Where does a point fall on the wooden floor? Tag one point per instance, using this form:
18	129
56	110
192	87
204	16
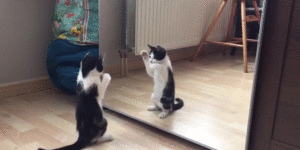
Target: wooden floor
216	94
47	119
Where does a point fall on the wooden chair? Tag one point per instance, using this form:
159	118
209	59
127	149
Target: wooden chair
230	40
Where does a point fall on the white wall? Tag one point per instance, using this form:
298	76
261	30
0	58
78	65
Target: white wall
24	36
112	29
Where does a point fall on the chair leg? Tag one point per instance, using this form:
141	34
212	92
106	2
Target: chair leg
210	28
229	35
244	34
257	13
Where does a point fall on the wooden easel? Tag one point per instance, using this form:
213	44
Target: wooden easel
230	40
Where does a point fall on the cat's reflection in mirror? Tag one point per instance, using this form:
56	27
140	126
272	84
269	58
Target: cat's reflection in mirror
159	67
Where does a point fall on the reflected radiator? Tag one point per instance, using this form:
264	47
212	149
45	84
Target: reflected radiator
172	23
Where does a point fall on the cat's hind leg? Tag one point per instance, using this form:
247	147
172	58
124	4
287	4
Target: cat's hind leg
167	107
154	100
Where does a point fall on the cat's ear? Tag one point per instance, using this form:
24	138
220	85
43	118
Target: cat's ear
87	59
152	47
161	49
99	65
100	62
101	56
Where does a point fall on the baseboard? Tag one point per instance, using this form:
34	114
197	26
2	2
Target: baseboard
36	85
25	87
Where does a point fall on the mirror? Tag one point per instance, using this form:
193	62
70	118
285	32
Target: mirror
215	89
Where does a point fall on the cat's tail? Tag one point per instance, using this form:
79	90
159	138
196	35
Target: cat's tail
78	145
179	104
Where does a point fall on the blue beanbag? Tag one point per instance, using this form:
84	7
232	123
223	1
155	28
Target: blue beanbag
63	63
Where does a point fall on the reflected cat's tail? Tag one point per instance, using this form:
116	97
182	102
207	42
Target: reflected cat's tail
179	104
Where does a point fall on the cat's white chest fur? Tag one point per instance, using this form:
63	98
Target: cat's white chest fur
160	79
94	78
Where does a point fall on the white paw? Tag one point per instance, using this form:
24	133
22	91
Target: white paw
109	137
105	138
162	115
152	108
106	77
144	53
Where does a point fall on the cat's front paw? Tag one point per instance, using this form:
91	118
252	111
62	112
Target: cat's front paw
144	54
107	77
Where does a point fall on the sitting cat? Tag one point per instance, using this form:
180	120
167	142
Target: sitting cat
91	87
158	66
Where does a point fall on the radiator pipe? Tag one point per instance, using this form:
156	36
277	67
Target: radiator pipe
121	63
124	62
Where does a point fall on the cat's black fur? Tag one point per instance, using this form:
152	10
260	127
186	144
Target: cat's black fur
159	52
90	122
169	92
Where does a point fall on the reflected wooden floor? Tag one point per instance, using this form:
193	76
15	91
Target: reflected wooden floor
47	119
216	94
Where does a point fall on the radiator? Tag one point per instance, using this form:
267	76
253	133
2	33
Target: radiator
172	24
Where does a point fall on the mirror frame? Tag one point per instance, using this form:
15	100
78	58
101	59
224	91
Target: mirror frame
268	74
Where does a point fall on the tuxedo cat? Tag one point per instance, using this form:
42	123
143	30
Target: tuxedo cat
158	66
91	87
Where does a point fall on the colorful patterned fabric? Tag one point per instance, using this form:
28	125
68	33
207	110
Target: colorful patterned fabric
76	21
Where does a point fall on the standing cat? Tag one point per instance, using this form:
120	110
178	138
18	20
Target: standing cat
91	86
158	66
